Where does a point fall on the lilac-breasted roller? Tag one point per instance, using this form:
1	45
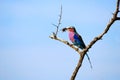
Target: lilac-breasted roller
76	39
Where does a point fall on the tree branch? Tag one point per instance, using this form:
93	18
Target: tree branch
59	22
84	51
95	40
65	42
113	19
118	18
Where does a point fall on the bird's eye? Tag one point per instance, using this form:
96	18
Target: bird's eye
64	29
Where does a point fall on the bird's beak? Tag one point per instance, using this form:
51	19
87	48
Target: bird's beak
64	29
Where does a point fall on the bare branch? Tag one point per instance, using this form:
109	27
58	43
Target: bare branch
77	67
65	42
113	19
95	40
59	22
84	51
118	18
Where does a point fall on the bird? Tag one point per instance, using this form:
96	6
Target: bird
76	39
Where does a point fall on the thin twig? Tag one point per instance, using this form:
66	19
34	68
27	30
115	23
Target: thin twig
59	22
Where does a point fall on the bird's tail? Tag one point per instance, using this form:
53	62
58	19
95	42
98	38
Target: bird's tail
89	60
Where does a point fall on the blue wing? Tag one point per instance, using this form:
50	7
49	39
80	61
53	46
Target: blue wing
78	41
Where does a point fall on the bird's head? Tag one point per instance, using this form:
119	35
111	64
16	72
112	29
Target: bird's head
69	29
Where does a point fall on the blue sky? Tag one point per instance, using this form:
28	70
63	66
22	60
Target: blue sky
27	52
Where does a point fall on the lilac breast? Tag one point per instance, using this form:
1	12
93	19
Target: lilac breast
71	36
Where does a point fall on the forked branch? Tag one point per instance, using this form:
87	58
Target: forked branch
59	22
113	19
83	52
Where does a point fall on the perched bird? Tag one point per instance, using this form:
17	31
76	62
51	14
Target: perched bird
76	39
